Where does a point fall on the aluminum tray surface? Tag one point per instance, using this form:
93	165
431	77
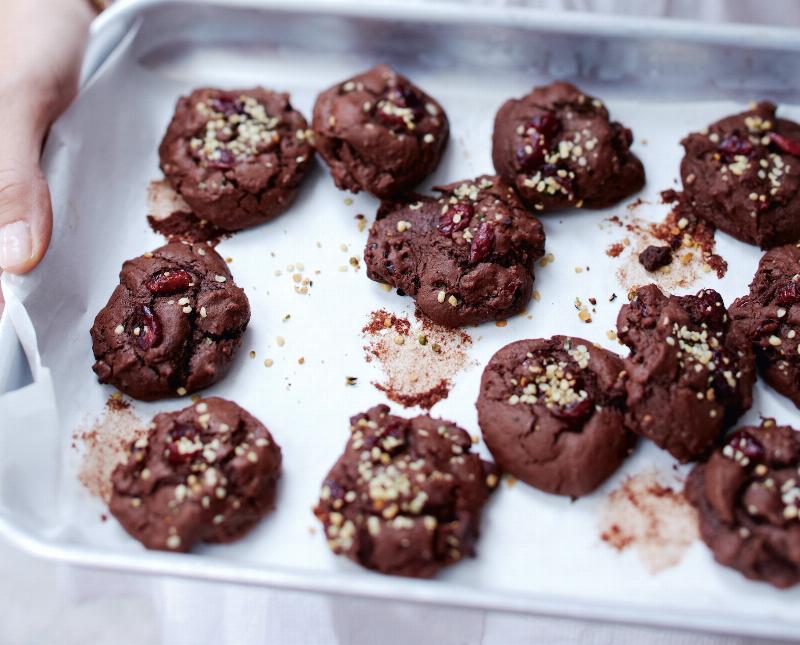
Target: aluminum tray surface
538	552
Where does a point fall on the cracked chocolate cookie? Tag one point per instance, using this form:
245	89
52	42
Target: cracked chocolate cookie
406	496
560	149
690	373
769	317
206	473
172	325
551	413
236	157
465	257
378	132
748	499
742	174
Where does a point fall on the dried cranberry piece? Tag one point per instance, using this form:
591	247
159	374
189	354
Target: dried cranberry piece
337	491
746	444
177	452
575	411
482	243
546	124
462	212
227	106
224	160
531	155
150	332
551	170
169	282
734	146
403	97
789	146
788	294
706	307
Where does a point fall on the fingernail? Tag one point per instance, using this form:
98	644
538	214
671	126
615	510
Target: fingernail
15	244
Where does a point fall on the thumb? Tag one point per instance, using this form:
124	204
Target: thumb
26	215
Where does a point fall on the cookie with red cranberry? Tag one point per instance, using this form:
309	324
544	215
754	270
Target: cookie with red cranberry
769	317
690	374
559	148
741	173
206	473
466	256
378	132
748	499
237	157
551	413
172	325
406	496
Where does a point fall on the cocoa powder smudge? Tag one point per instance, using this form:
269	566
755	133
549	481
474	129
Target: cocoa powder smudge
655	520
105	443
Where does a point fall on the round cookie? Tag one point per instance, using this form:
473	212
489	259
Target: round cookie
551	413
769	317
237	157
465	257
172	325
559	149
378	132
690	374
742	174
406	496
206	473
748	500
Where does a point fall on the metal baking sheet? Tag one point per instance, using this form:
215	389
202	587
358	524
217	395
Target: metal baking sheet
538	553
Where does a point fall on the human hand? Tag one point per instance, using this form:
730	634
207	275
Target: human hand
41	48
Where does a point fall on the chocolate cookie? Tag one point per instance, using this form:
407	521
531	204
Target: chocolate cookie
742	174
551	412
236	156
465	257
749	503
558	147
769	317
172	325
206	473
406	496
690	374
379	132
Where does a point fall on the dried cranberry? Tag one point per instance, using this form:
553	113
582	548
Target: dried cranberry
746	444
788	294
404	98
734	146
150	333
789	146
531	155
223	160
169	282
575	411
706	307
551	170
482	243
178	452
462	212
545	124
227	106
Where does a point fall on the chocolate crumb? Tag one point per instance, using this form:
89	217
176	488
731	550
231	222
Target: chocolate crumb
655	257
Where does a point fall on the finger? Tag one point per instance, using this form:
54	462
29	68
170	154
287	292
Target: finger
26	216
35	90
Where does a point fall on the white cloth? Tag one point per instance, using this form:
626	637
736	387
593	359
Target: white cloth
43	602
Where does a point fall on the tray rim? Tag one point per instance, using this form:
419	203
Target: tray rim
113	25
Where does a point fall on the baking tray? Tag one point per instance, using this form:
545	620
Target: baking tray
538	553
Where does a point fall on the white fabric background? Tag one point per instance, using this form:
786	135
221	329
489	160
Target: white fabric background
43	602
